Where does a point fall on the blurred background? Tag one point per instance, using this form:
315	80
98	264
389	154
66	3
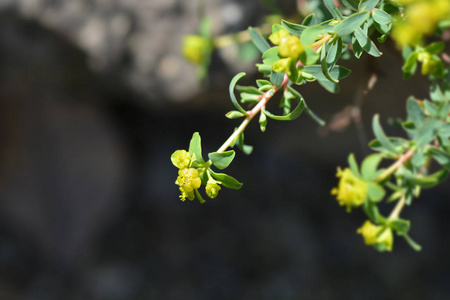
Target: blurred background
94	98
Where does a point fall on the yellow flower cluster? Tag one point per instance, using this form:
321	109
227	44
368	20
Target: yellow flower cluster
188	180
290	48
377	235
196	48
351	191
421	18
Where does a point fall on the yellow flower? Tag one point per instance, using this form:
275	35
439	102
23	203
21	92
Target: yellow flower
196	48
278	36
188	180
181	159
377	235
283	65
351	191
291	47
212	190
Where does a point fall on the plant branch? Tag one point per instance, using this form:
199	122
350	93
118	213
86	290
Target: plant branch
395	166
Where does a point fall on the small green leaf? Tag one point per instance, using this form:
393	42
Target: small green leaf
325	71
412	243
435	48
231	91
329	86
371	211
440	156
368	4
400	226
381	136
262	83
357	50
293	114
248	89
369	166
334	52
375	192
401	145
221	160
311	34
276	78
353	165
309	56
293	28
366	43
337	72
258	40
427	132
381	17
309	20
351	4
350	24
314	116
271	56
425	181
334	11
262	121
234	114
415	112
195	147
410	65
226	180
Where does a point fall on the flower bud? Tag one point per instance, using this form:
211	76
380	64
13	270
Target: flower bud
212	190
378	236
351	191
196	48
181	159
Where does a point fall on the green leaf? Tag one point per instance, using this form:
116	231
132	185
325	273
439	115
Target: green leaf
412	243
357	50
401	145
248	89
440	156
271	56
239	142
309	56
259	41
415	112
375	192
199	196
425	181
366	43
262	121
221	160
337	72
353	165
309	20
234	114
325	71
329	86
334	52
368	4
400	226
351	4
369	166
262	83
410	65
435	48
334	11
293	114
231	91
293	28
350	24
226	180
195	147
381	136
314	116
371	211
311	34
381	17
427	132
276	78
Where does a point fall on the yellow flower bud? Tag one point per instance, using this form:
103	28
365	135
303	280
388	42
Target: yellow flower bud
283	65
351	191
374	235
212	190
181	159
278	36
291	47
195	48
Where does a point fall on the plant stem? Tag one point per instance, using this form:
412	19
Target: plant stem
398	208
322	41
395	166
261	104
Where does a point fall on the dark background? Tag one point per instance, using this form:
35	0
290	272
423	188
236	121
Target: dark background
95	97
